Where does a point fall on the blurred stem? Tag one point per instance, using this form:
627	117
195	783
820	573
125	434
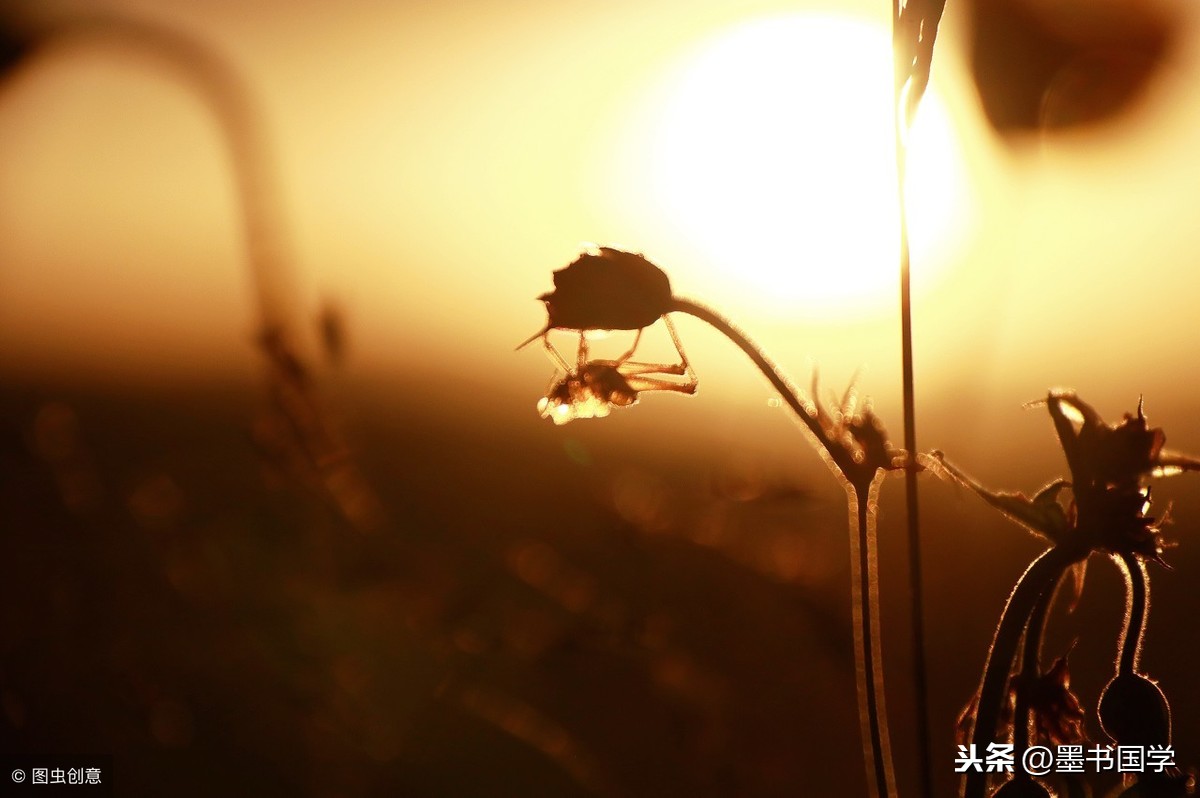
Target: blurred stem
861	493
272	283
1137	604
233	105
1040	578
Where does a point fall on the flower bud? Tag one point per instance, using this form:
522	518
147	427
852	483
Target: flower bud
1134	711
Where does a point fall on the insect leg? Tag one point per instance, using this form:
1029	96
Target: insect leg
629	354
641	384
582	355
554	355
633	368
683	361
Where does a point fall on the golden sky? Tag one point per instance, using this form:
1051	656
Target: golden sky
437	161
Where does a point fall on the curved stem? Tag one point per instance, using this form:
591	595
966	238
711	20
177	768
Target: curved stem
805	411
1038	579
861	494
236	111
232	103
1031	659
1137	605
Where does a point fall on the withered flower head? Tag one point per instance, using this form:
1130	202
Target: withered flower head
1057	713
853	438
606	289
1103	456
1109	465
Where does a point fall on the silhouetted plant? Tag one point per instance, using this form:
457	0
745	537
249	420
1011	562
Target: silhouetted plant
296	436
612	289
1105	512
1102	508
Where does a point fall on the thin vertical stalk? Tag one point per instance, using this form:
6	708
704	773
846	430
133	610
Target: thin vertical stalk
913	523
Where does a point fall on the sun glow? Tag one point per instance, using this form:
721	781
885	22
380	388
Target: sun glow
770	152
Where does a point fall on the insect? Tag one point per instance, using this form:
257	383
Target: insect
607	289
594	387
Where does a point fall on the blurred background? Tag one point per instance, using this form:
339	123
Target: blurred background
278	515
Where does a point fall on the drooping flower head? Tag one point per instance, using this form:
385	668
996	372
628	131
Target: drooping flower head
606	289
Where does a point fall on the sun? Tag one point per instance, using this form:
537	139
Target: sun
769	151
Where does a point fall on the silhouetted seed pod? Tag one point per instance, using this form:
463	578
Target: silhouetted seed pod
610	290
1133	711
1021	788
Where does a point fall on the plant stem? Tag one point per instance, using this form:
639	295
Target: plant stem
1137	604
236	111
864	561
1039	578
1031	659
913	524
861	494
804	411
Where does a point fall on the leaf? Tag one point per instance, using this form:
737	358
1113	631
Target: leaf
1041	514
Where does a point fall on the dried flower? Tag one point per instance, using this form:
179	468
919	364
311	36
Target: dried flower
607	289
853	438
1057	713
1108	467
1099	455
